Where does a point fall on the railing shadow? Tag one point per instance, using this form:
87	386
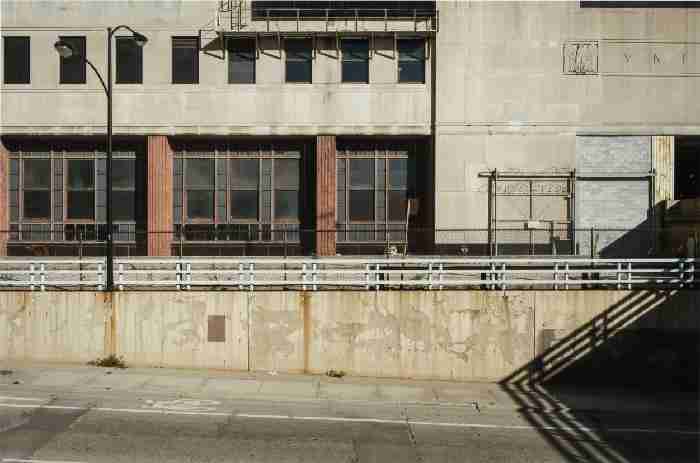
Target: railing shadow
643	349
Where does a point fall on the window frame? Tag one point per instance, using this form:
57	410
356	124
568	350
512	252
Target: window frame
187	188
295	59
350	59
23	189
6	60
185	42
79	58
230	51
128	39
423	60
230	188
67	189
131	189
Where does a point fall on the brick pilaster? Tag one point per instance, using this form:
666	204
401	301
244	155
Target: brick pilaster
4	198
159	185
325	195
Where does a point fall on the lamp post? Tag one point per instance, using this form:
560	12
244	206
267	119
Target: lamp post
65	50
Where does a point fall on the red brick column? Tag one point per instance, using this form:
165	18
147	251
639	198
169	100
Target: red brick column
325	194
4	203
160	195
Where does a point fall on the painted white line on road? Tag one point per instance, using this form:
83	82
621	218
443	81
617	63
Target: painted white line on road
364	420
466	425
32	399
24	460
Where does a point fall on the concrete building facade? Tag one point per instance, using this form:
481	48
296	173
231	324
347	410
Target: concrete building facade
345	127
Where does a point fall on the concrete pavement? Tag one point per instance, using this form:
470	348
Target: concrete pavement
88	414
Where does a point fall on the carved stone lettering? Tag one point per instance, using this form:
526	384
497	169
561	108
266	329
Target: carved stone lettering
581	58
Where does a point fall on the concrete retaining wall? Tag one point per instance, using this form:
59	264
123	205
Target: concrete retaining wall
456	335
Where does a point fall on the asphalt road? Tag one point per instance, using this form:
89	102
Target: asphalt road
55	425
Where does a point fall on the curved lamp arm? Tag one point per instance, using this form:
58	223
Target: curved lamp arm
99	76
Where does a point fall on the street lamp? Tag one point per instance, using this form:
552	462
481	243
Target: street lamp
65	50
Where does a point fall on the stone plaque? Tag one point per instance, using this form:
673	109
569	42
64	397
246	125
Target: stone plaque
216	329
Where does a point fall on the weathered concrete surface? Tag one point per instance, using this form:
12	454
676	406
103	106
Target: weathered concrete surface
453	335
53	326
419	334
168	328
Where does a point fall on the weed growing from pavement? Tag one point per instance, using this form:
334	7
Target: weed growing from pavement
110	361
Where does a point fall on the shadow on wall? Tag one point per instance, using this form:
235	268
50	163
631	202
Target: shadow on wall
646	349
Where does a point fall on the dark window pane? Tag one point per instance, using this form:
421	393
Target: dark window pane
361	205
81	205
129	61
37	173
287	173
16	60
81	174
362	173
286	205
200	173
244	204
397	205
37	204
298	60
412	72
245	173
412	60
298	72
123	205
123	173
200	204
185	60
72	69
398	173
241	61
355	71
355	49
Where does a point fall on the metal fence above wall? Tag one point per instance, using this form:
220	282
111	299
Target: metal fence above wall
308	274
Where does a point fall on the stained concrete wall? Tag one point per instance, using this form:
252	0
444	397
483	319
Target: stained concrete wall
451	335
505	98
213	106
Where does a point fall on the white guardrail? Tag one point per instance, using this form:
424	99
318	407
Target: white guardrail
349	273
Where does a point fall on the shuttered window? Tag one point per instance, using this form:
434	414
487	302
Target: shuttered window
16	60
72	68
129	61
185	60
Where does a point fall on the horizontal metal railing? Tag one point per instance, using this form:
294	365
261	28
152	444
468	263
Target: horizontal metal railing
351	273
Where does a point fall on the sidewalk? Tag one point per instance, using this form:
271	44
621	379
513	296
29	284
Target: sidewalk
285	387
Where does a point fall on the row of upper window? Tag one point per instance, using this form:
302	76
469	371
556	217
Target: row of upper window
242	57
197	190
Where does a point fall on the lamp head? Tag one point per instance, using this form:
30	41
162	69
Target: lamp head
140	39
64	49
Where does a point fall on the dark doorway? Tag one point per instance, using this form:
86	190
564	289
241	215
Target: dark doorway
687	168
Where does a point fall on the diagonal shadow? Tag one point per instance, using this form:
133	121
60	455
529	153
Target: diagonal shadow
644	349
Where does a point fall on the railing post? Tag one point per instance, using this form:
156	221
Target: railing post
629	275
440	275
188	275
430	275
120	277
251	276
566	276
31	277
42	276
100	277
240	275
368	271
503	276
619	275
681	272
178	275
556	276
303	276
691	280
314	275
376	277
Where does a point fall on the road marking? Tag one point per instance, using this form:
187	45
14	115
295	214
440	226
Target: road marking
466	425
364	420
183	405
7	397
24	460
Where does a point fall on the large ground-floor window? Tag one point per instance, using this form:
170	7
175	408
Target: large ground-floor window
248	191
57	193
376	177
